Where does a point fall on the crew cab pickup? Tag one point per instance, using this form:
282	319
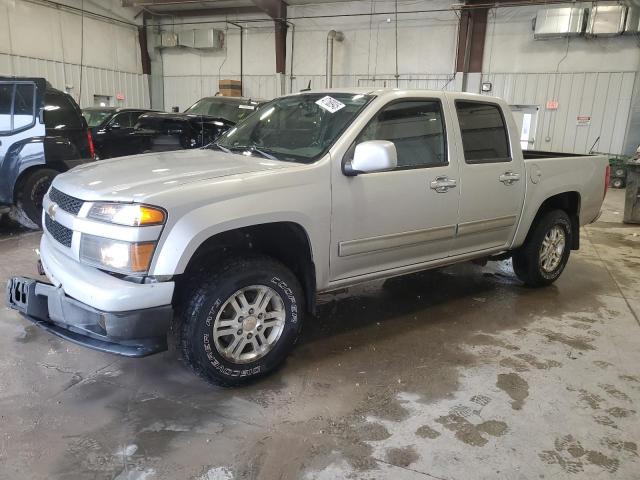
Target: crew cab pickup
228	245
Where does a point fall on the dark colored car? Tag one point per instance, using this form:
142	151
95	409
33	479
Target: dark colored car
113	131
197	126
42	133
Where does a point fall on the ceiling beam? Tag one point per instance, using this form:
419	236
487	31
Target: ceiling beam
206	12
277	10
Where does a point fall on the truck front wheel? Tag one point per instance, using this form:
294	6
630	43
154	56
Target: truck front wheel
241	320
542	258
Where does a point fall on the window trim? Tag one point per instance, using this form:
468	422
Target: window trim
484	161
14	84
351	150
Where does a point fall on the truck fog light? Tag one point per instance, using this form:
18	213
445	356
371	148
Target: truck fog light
116	255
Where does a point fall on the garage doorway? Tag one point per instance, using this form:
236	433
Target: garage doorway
526	117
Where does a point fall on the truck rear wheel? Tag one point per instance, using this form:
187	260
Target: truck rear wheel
29	195
241	320
542	258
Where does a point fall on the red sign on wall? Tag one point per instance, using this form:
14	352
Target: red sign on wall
552	105
119	96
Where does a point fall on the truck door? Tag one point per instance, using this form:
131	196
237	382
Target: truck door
20	107
391	219
492	178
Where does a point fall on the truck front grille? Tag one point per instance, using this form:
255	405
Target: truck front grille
66	202
58	231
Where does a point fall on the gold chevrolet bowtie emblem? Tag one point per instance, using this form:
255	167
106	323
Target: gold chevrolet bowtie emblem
51	210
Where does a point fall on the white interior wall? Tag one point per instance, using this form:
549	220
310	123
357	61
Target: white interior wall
366	57
593	77
587	77
41	40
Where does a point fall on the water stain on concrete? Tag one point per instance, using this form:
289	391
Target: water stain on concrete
620	412
425	431
605	420
534	362
372	432
614	392
573	457
472	434
591	399
515	386
579	342
621	446
402	457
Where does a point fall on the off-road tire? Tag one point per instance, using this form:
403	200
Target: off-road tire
29	195
526	260
208	291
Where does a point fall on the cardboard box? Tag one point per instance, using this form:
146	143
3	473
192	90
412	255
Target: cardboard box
230	88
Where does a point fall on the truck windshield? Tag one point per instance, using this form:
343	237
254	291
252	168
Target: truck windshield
234	111
298	128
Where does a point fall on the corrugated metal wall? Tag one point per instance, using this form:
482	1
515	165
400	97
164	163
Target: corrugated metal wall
95	81
182	91
604	96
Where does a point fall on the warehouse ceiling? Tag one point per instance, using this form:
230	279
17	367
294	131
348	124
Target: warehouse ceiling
211	7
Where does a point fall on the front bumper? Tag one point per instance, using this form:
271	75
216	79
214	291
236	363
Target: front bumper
135	333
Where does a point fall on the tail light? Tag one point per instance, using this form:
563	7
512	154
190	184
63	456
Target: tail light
92	149
607	178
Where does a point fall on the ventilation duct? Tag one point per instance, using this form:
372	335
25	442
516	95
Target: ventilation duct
209	38
606	20
632	25
559	22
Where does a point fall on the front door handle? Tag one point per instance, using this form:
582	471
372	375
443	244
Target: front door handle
442	184
509	178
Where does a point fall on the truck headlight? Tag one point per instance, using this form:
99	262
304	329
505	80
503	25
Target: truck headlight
116	255
132	215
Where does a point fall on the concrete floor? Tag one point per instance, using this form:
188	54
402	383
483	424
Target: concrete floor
453	374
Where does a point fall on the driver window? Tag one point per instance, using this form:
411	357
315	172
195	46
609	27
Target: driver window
416	127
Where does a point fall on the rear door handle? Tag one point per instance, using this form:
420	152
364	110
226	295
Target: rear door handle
508	178
442	184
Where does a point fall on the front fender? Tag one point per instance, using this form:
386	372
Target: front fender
186	235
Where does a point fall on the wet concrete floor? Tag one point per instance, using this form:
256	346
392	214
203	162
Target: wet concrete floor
459	373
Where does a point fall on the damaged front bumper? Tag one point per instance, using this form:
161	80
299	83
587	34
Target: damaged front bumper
135	333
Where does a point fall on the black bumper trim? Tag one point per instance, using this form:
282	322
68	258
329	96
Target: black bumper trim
136	333
144	348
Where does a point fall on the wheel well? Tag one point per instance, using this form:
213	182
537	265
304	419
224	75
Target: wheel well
570	203
25	174
287	242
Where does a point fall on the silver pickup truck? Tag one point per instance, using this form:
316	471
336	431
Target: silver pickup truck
228	245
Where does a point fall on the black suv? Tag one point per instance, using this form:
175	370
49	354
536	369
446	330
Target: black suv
113	132
199	125
42	133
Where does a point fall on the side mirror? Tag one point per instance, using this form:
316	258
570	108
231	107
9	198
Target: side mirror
372	156
114	126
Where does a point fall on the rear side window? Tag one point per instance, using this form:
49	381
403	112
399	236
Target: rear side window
60	112
484	134
416	128
17	106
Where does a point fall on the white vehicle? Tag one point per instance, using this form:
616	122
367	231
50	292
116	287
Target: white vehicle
314	192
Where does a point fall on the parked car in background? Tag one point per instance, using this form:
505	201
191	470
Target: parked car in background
318	192
42	133
198	125
113	131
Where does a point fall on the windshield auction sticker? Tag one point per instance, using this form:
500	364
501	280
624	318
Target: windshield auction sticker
330	104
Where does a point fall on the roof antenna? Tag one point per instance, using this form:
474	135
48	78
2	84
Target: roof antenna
308	87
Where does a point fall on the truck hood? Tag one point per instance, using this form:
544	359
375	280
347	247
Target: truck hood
135	177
